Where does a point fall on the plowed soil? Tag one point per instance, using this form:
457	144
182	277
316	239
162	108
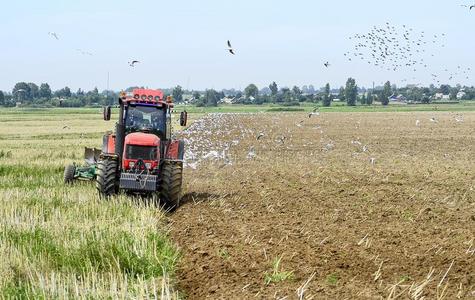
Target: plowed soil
356	206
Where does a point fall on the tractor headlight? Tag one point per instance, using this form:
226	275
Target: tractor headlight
131	164
148	165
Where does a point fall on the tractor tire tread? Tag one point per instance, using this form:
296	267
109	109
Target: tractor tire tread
69	171
171	183
106	182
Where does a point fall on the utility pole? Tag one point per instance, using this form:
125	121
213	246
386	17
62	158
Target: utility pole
107	91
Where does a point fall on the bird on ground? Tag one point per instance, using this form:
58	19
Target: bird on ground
230	48
132	63
54	34
260	136
313	114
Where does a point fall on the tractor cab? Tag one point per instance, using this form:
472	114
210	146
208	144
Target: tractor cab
146	118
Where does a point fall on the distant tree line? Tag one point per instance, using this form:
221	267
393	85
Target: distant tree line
30	94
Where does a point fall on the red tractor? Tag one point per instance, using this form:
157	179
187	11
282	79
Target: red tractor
141	158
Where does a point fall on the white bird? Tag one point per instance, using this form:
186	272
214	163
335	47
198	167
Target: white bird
372	160
433	120
418	123
260	136
84	52
252	153
313	114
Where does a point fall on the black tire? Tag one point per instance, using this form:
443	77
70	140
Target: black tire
106	182
69	172
170	186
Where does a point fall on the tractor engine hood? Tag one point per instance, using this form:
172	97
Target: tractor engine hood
144	147
142	139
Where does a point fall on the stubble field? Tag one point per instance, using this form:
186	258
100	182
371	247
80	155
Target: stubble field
338	205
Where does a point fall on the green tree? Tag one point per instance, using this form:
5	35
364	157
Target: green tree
196	95
369	98
363	99
351	92
45	91
274	89
286	95
453	93
387	92
177	94
296	91
21	92
34	90
341	94
2	98
251	91
445	89
327	100
211	98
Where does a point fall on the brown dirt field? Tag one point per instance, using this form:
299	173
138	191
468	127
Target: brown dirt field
400	227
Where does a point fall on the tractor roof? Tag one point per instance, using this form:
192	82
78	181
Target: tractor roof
146	96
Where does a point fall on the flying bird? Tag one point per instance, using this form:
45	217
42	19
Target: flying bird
84	52
132	63
327	64
468	6
54	34
230	48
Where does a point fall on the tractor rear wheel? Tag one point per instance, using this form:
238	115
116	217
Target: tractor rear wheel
170	187
106	182
69	172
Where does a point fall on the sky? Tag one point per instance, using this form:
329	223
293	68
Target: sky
184	42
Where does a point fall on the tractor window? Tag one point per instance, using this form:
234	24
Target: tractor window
149	118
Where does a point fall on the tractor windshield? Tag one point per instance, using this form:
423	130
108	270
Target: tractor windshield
145	119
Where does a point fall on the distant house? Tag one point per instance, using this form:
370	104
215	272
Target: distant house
227	100
398	98
460	95
441	96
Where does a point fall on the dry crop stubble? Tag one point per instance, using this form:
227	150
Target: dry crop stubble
62	241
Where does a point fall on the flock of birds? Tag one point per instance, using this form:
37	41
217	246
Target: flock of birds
386	47
220	137
393	48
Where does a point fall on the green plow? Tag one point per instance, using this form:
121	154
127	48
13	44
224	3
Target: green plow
85	172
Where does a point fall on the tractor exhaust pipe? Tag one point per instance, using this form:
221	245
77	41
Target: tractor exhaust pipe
120	133
119	139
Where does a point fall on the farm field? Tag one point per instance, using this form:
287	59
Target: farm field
338	205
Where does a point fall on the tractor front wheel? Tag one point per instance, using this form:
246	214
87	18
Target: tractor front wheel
106	175
69	172
170	188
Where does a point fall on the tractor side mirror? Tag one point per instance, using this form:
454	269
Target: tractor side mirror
106	111
183	118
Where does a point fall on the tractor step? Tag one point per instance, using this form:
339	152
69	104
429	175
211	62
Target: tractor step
138	182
